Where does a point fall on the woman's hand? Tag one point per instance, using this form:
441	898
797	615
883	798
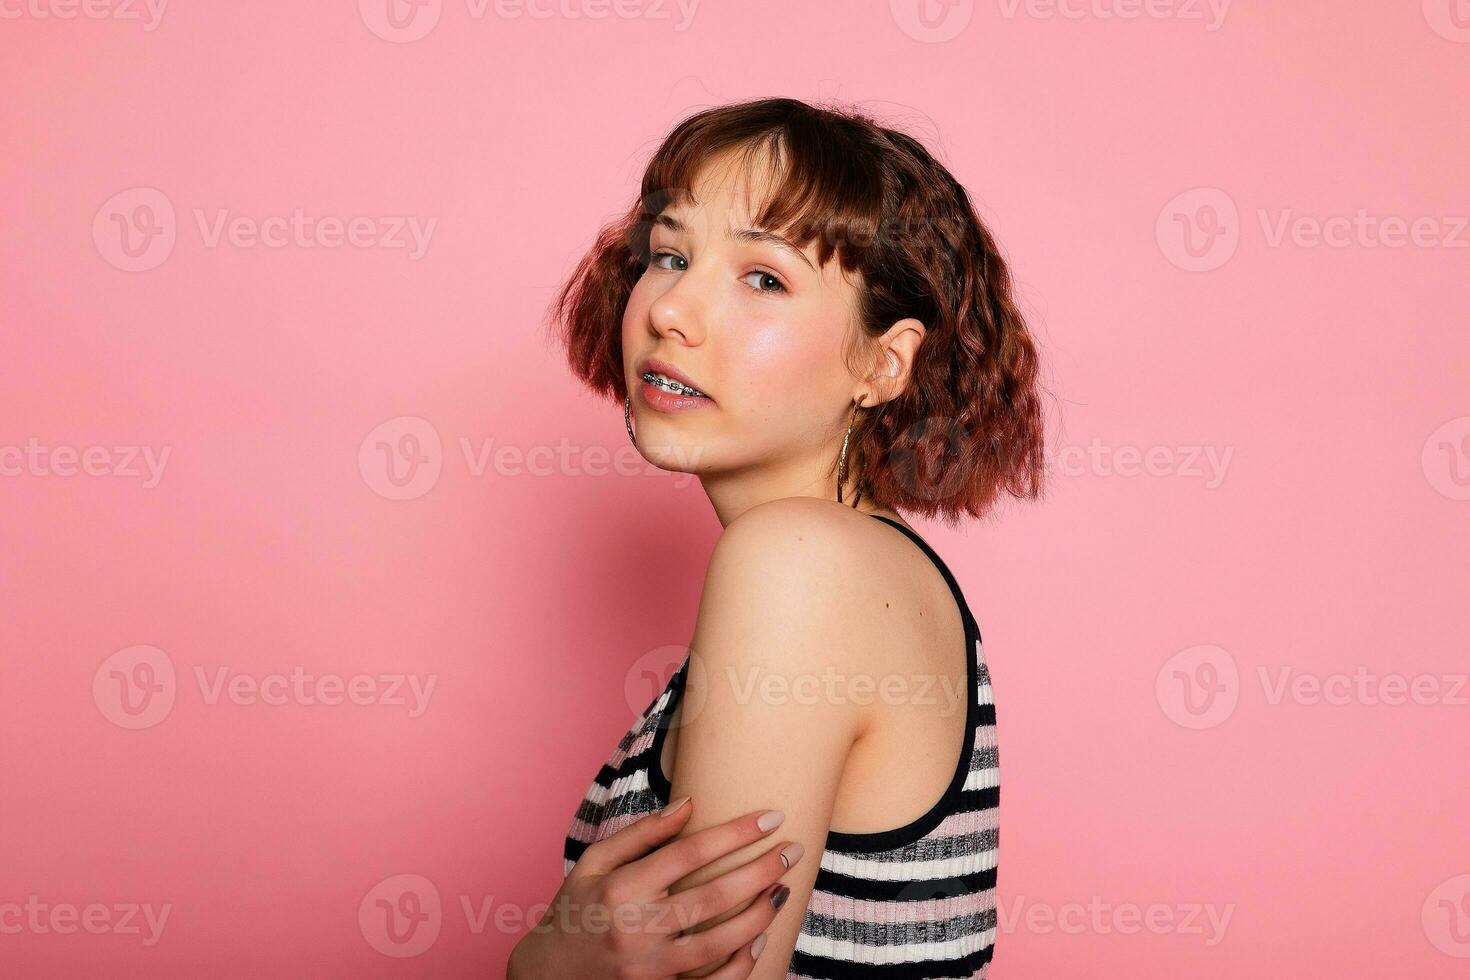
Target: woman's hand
614	917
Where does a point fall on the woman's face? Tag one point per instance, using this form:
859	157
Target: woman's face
756	325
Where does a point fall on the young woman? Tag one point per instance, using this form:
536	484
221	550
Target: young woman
803	309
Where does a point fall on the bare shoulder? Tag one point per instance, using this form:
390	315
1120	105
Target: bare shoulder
805	568
800	548
800	528
838	573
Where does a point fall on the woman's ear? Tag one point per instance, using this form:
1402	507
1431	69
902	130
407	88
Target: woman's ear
899	346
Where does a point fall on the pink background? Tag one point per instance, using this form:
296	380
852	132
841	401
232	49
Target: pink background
279	380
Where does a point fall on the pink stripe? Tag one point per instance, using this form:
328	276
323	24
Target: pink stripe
619	756
639	744
581	831
863	910
610	827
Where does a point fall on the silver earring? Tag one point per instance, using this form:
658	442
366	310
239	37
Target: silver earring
628	418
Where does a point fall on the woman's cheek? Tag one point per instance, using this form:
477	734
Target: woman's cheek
636	310
777	360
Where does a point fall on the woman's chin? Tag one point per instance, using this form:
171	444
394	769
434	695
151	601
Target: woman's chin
672	453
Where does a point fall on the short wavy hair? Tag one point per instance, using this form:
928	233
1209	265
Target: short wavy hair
968	428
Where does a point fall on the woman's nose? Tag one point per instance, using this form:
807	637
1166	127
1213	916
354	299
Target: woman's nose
677	311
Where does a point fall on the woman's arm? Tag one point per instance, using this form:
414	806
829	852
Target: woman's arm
760	726
614	915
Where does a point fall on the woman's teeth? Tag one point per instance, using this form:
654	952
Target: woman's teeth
669	384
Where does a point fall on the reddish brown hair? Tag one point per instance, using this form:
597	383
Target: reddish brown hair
969	425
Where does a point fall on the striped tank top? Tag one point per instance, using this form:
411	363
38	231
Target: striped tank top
910	903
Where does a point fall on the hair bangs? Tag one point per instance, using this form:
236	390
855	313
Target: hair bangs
817	192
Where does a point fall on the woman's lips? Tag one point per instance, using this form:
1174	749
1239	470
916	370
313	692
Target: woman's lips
660	399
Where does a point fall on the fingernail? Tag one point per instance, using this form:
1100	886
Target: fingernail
674	806
757	946
770	820
779	896
792	853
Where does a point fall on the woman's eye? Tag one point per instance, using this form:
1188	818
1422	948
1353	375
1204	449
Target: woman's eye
654	259
766	278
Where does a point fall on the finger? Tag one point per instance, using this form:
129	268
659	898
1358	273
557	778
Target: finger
673	861
739	966
709	968
734	887
697	949
634	841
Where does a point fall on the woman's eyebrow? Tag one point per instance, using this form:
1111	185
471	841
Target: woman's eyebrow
770	238
753	235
